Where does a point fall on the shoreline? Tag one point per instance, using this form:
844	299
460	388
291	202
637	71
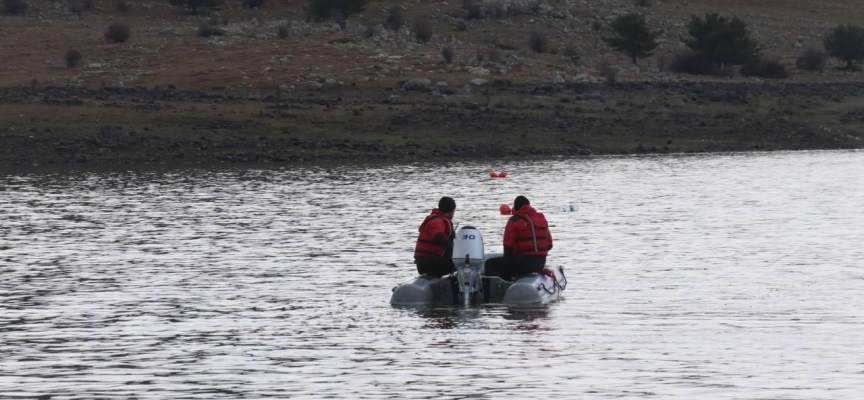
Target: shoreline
131	126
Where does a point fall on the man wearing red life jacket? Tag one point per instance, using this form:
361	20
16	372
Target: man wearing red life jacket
433	253
527	241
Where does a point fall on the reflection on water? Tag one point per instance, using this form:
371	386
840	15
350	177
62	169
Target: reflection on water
717	276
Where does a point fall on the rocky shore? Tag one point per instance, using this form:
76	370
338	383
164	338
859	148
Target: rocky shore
64	126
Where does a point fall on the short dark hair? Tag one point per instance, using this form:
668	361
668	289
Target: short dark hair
520	201
447	204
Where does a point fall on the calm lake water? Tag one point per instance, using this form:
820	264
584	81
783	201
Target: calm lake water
735	276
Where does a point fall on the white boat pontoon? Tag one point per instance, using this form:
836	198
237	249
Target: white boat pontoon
468	285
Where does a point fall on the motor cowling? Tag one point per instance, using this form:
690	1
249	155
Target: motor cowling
468	244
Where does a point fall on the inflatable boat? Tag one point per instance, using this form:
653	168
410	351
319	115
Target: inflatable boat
469	285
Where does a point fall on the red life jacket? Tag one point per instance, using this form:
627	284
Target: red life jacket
435	223
532	232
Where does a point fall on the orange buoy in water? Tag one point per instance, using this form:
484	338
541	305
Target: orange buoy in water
504	209
493	175
502	174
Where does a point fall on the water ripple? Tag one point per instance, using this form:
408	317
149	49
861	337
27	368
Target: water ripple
719	276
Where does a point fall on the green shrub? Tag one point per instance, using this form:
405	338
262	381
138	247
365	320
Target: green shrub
320	10
422	30
633	36
499	12
196	6
770	68
249	4
494	55
572	54
537	42
117	33
689	62
608	72
339	18
812	60
394	19
722	40
14	7
283	32
73	58
207	29
474	12
846	42
447	54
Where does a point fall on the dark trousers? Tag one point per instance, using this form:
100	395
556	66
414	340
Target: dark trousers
434	266
511	267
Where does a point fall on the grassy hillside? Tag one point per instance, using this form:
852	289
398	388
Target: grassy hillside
165	48
321	92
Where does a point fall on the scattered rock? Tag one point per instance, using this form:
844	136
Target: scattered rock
420	84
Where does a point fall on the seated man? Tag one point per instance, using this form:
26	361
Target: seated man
527	241
433	253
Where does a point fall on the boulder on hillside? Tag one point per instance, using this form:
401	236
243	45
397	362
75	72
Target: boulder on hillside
420	84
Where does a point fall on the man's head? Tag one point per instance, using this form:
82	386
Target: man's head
447	205
519	202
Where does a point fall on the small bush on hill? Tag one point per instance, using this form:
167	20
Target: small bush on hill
219	19
499	12
208	29
770	68
422	30
812	60
474	12
253	3
494	55
846	42
537	42
608	72
369	31
198	7
122	6
572	54
117	33
283	32
338	17
515	10
394	19
319	10
461	26
73	58
688	62
447	54
14	7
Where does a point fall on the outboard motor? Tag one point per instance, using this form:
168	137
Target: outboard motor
469	257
